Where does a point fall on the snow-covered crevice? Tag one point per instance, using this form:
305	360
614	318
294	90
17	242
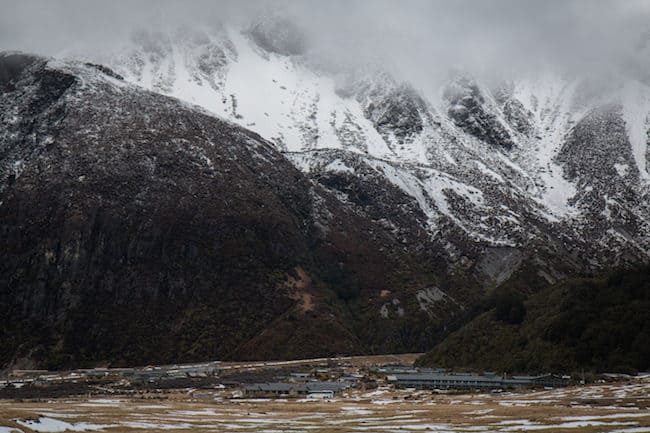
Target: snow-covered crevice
549	97
636	114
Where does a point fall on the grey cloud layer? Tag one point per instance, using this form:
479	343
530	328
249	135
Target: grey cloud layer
421	39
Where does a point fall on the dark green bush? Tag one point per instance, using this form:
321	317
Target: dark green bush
509	307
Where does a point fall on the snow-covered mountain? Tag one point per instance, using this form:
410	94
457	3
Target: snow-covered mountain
506	164
277	188
137	228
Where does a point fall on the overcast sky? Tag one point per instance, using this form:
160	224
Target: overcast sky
421	38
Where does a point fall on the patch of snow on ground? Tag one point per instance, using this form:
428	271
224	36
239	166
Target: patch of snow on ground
46	424
151	426
633	430
356	411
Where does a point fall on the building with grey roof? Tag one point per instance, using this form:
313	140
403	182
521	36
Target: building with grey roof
285	388
473	381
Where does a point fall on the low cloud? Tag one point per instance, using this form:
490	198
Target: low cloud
419	39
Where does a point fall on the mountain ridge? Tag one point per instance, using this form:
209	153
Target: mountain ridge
391	213
385	119
138	229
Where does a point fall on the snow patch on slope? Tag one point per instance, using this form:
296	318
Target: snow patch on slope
549	98
636	113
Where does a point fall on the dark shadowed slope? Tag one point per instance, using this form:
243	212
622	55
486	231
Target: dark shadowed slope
598	324
137	229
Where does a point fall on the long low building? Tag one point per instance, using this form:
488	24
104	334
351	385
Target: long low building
474	381
285	388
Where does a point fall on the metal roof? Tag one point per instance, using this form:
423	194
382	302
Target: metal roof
297	387
446	377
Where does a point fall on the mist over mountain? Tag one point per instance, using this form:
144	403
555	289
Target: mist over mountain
421	41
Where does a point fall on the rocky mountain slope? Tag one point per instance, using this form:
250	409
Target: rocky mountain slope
366	210
547	163
138	229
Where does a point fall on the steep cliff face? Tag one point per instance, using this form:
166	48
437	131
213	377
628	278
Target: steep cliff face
139	229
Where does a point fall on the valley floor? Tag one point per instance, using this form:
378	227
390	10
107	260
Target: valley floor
622	407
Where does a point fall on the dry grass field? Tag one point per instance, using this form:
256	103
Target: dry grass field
622	407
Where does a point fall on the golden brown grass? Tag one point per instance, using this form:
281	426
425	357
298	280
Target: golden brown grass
357	411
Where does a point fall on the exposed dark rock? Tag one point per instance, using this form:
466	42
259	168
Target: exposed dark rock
397	112
467	110
106	70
